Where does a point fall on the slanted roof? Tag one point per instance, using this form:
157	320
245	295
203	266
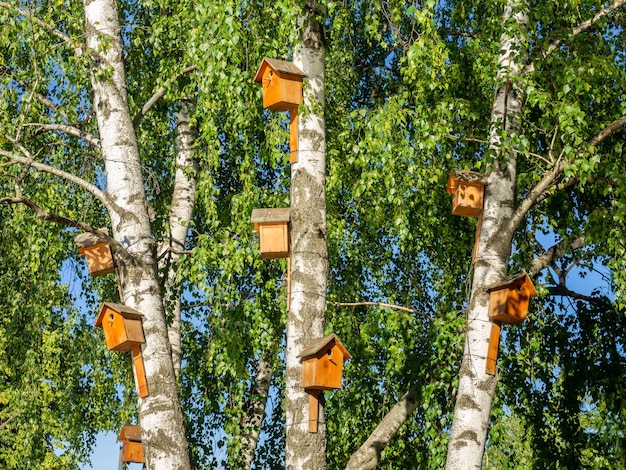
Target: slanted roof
122	309
513	281
280	66
88	239
317	345
270	215
130	432
466	176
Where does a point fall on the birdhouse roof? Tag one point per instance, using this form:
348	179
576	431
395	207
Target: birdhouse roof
130	432
122	309
317	345
513	281
280	66
88	239
465	176
270	215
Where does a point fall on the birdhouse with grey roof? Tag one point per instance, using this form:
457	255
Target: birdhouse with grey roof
509	298
97	252
272	225
322	363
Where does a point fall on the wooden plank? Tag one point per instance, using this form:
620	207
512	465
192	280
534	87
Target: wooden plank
314	409
293	135
139	372
492	352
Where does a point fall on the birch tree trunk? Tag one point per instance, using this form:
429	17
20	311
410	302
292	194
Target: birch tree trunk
476	388
181	211
309	255
160	414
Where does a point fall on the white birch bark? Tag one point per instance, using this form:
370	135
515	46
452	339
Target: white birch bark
476	388
160	415
309	257
255	410
181	211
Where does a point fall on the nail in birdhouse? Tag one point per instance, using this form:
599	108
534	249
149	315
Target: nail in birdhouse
282	84
97	252
322	363
509	299
467	189
121	325
272	225
132	450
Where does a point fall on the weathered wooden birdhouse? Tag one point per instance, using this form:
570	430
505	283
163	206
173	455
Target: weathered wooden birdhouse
122	326
282	84
509	298
132	450
272	225
97	252
322	363
467	189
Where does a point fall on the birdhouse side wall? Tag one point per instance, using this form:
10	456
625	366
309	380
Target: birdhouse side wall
467	200
132	452
281	92
508	305
274	240
99	259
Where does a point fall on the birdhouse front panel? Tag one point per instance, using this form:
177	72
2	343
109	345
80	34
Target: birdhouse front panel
274	240
467	200
467	188
282	84
322	363
132	450
509	301
122	326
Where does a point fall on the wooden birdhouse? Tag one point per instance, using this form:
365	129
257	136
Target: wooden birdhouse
322	363
122	326
97	252
467	189
272	225
132	450
322	369
509	299
282	84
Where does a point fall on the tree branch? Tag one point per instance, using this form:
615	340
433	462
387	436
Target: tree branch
381	304
67	222
552	254
97	192
158	95
565	292
70	130
367	456
581	28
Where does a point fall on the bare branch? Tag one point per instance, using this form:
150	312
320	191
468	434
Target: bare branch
563	291
70	130
581	28
97	192
368	455
554	253
157	96
381	304
67	222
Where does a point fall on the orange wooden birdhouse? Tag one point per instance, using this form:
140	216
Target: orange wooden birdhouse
282	84
509	299
97	253
322	369
122	326
322	363
467	189
132	450
272	225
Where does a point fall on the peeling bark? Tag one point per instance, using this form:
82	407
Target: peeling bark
309	254
476	388
160	414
